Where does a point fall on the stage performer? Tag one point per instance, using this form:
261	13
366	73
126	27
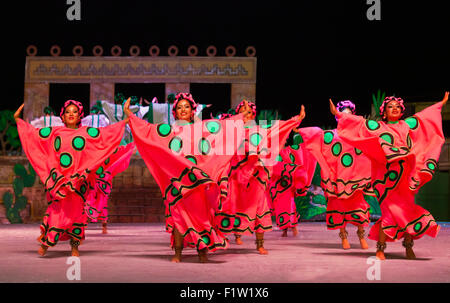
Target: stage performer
404	155
67	160
189	173
96	205
291	177
345	178
247	205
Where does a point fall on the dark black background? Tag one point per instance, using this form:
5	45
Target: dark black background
307	51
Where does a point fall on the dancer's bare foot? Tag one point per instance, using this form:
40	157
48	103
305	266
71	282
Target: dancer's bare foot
380	255
260	244
238	240
284	234
177	257
408	244
40	238
74	245
343	235
105	229
203	255
345	244
362	241
294	231
262	251
42	250
381	246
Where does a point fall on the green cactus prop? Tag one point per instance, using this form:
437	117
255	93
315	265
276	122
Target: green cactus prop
268	115
15	204
377	101
374	205
9	137
310	206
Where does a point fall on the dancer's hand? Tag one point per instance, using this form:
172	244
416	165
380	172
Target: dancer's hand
302	114
18	112
333	109
126	108
247	111
444	101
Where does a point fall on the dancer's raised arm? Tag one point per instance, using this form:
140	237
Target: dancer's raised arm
126	109
18	112
445	99
333	109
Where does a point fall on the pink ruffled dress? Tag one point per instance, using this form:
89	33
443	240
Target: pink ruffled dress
292	176
96	206
68	161
190	164
345	174
246	209
404	157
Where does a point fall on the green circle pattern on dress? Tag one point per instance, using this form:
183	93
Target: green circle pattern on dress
93	132
372	125
358	151
279	158
237	222
347	160
255	139
54	176
392	175
281	219
225	222
330	220
213	127
57	143
206	240
192	159
295	146
45	132
328	137
174	191
192	177
65	160
354	216
99	170
409	142
77	231
336	149
412	122
78	143
204	146
292	157
387	137
163	129
176	144
417	227
431	165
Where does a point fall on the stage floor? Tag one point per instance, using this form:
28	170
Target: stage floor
141	253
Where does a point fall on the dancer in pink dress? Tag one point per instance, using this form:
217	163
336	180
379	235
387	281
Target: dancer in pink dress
404	156
67	158
246	209
345	174
183	159
292	176
96	206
